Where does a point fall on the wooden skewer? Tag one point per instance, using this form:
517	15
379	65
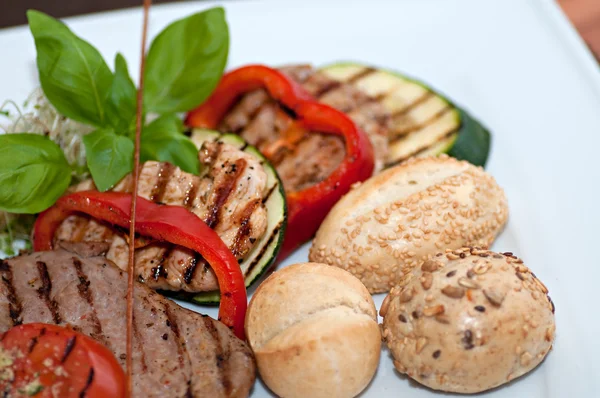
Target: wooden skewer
136	175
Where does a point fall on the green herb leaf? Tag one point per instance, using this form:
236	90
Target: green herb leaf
121	102
33	173
72	72
163	140
186	61
109	157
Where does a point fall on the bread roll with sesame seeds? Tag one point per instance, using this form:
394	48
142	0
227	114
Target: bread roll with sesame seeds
399	218
468	320
313	329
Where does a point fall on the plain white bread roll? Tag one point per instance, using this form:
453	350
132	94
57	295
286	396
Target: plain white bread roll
397	219
313	329
468	320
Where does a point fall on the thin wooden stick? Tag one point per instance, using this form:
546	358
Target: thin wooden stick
136	175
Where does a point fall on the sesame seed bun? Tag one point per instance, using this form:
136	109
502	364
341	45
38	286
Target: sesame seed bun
468	320
313	329
397	219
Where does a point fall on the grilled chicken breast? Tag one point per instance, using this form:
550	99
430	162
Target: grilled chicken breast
304	159
177	352
228	197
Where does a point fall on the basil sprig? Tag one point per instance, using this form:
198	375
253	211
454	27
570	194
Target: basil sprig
184	64
33	173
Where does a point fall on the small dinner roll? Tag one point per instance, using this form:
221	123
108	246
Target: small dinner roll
468	320
397	219
313	329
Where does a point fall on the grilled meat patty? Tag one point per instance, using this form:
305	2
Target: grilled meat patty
301	159
177	352
228	197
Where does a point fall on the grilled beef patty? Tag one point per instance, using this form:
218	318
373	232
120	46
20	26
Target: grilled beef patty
176	352
302	159
228	197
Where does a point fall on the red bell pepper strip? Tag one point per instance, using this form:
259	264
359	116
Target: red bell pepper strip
172	224
306	208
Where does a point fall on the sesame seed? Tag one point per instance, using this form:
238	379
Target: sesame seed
436	354
479	308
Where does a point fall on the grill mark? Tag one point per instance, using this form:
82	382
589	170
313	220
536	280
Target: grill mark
137	337
412	105
221	360
191	194
263	249
182	351
251	117
164	175
159	271
45	290
33	343
421	126
190	270
223	191
68	348
327	87
398	161
15	307
289	151
245	228
243	148
88	383
368	71
84	292
268	195
80	228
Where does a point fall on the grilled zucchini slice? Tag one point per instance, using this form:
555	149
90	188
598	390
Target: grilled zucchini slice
424	122
264	252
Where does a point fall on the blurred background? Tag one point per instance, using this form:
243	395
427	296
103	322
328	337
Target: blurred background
585	14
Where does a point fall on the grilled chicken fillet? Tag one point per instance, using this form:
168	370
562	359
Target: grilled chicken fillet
176	352
303	159
227	196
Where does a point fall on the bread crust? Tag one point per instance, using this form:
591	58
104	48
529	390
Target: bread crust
313	329
468	321
396	220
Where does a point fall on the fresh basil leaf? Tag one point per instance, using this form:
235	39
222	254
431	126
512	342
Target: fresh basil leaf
163	140
33	173
109	157
121	102
186	61
72	72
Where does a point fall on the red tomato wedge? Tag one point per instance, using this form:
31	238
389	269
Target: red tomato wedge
39	360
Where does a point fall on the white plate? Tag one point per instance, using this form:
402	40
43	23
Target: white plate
518	65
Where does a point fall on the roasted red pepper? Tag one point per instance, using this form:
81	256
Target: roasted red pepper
172	224
306	208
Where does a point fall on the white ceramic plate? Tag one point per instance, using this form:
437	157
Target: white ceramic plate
518	65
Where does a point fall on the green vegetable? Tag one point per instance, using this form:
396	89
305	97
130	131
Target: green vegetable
72	72
121	104
163	140
423	122
186	61
33	173
109	157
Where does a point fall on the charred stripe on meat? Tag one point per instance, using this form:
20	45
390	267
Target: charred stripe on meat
45	290
219	355
222	192
84	291
15	307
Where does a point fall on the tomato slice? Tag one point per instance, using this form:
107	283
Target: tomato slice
39	360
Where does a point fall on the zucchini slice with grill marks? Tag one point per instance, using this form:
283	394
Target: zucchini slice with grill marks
265	250
423	122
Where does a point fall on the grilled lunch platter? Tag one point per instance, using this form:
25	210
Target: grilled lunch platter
299	228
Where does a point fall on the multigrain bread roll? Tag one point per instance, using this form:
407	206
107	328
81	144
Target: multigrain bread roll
313	329
468	320
397	219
